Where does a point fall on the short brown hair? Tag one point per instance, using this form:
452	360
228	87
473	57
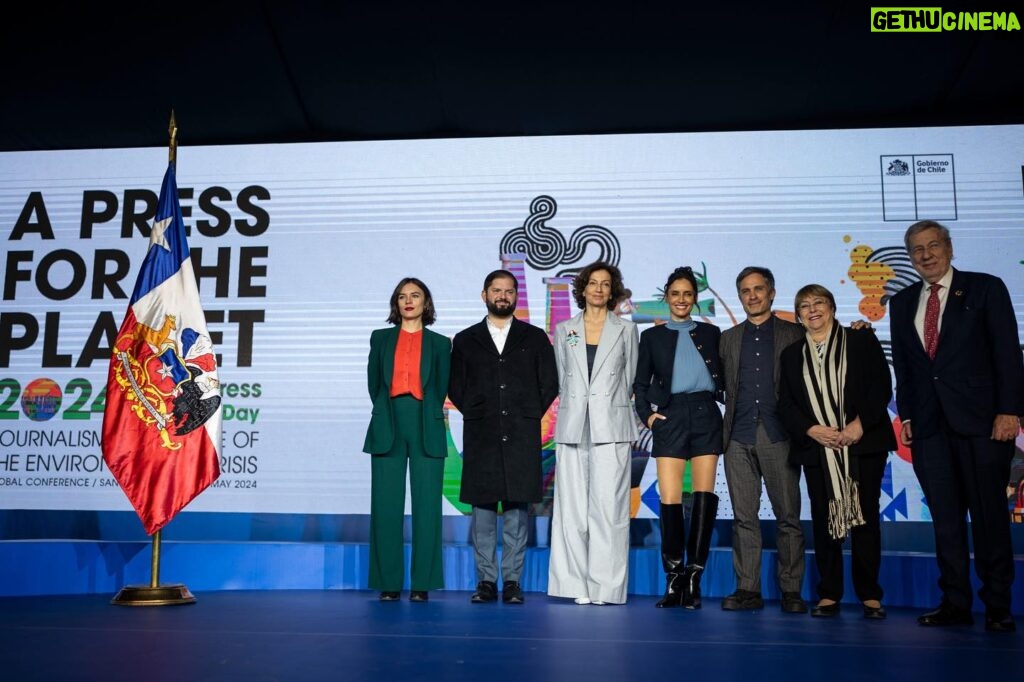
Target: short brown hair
812	290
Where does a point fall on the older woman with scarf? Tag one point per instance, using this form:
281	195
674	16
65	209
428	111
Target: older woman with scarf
835	387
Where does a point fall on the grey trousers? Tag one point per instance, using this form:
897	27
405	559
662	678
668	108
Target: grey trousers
484	533
745	467
590	522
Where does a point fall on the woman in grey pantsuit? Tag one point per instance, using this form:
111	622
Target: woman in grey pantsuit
596	357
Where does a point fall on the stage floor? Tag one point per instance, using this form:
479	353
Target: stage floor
350	635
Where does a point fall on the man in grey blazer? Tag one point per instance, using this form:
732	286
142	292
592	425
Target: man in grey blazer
757	446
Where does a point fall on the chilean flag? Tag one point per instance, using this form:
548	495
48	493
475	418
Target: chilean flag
162	422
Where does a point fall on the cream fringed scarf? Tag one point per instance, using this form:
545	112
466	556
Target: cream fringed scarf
824	381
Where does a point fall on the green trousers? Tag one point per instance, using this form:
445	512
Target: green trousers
387	506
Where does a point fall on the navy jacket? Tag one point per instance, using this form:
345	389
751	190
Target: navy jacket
653	384
977	372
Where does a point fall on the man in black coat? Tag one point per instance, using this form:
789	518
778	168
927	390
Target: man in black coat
960	394
503	380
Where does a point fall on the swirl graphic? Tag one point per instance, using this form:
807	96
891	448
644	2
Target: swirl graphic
545	247
904	275
879	274
582	237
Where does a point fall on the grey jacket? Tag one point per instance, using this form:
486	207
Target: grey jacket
605	396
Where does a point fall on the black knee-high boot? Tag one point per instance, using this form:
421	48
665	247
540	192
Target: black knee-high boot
702	524
672	542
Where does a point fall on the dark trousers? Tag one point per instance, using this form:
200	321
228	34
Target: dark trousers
865	540
387	506
961	474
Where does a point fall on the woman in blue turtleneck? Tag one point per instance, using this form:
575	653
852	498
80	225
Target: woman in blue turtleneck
678	378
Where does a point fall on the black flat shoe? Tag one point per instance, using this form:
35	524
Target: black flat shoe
418	595
390	596
874	612
999	621
825	611
945	616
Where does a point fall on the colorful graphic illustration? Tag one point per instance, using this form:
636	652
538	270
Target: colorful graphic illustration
879	274
1015	489
41	400
656	310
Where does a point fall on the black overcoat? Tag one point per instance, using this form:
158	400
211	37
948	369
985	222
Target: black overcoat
502	399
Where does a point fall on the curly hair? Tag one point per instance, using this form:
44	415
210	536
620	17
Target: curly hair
579	284
429	315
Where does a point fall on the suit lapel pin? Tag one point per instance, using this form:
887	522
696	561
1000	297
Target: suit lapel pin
958	292
572	338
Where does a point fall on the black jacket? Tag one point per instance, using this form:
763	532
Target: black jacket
867	393
502	399
656	357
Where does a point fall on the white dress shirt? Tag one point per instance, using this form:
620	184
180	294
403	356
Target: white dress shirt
499	334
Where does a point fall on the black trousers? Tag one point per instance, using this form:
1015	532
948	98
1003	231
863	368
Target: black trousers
865	541
961	474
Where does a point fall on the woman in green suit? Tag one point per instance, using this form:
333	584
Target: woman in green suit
407	375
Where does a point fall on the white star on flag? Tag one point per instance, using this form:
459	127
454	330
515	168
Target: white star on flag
157	235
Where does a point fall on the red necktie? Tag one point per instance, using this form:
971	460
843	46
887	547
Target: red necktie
931	321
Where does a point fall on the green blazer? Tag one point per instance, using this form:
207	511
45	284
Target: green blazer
435	362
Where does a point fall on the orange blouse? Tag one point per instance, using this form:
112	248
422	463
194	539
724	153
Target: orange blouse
406	377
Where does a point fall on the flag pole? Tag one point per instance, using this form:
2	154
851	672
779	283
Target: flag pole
156	594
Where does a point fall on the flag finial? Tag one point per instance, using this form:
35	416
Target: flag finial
172	147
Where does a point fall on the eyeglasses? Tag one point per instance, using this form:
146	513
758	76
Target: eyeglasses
806	306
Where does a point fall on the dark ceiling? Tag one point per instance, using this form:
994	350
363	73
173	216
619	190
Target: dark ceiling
81	76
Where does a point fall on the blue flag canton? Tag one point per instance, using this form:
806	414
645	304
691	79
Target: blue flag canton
168	245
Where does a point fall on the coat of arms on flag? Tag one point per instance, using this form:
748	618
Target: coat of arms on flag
162	423
168	379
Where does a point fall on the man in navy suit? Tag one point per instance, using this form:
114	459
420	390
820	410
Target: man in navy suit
960	394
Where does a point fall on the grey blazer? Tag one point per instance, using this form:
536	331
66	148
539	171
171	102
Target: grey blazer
605	395
785	334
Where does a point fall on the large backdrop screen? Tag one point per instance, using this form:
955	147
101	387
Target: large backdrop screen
298	247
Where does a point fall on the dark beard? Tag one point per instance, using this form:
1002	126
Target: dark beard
500	312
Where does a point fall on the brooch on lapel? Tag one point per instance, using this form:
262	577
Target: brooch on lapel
958	292
573	338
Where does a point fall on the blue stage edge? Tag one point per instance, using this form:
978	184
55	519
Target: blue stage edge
46	567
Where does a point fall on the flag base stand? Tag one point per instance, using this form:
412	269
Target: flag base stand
144	595
154	594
